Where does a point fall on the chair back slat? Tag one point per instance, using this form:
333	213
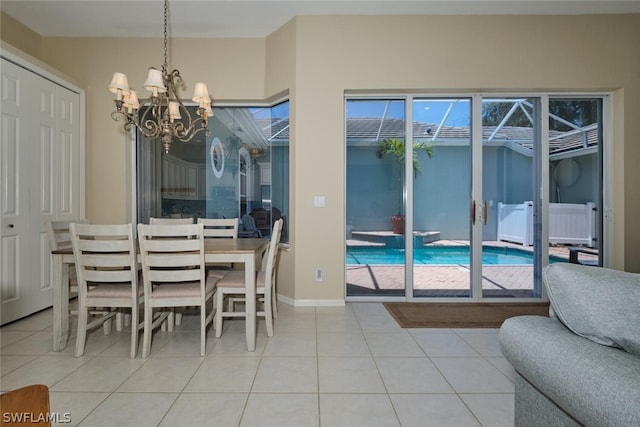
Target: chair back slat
100	245
59	234
220	227
172	244
170	221
171	253
181	259
173	276
101	261
107	276
104	254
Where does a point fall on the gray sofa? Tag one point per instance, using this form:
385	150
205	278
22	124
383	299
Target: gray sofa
581	365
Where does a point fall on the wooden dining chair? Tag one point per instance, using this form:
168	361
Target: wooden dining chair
26	406
274	282
107	270
173	274
219	228
233	285
60	238
176	317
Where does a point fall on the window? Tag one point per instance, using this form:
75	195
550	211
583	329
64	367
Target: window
241	166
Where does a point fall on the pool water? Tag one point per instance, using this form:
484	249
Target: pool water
439	255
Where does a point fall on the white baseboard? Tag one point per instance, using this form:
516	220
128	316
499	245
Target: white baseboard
312	302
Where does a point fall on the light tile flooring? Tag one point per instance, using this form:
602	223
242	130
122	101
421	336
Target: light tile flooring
331	366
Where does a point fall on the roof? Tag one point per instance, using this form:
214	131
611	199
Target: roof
366	131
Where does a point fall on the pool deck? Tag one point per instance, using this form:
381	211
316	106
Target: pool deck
445	281
390	239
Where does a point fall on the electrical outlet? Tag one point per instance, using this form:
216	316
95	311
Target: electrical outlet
319	275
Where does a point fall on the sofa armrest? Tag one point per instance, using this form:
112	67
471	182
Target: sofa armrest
595	384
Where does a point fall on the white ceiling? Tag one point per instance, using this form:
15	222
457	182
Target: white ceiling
243	18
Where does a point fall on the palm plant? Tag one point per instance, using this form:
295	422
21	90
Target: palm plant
396	147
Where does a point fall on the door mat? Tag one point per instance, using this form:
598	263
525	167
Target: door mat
461	315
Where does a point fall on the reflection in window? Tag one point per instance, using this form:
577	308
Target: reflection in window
242	166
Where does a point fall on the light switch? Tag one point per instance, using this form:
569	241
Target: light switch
318	201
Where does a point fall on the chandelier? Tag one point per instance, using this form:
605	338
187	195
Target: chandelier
164	115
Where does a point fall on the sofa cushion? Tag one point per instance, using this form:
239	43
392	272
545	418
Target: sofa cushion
600	304
595	384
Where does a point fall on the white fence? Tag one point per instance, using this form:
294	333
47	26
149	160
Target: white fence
569	223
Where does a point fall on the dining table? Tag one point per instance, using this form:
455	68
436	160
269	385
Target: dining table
245	251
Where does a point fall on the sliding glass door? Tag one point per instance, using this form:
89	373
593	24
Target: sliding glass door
375	203
511	142
442	177
445	194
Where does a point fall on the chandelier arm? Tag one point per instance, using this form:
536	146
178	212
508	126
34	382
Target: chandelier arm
189	136
119	115
150	127
191	122
159	119
149	130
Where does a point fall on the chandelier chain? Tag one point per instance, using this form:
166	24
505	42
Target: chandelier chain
166	9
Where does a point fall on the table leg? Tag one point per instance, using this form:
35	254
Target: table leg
60	283
250	303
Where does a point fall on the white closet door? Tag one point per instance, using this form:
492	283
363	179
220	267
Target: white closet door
39	167
18	90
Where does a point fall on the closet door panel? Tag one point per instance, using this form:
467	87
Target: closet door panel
68	154
46	179
19	134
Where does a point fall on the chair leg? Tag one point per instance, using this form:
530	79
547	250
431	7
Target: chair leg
274	303
171	320
82	331
219	310
178	318
134	330
146	335
203	328
106	325
268	316
119	320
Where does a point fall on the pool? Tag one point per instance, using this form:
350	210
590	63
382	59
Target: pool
440	255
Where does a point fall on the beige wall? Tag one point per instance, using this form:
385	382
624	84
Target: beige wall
280	77
441	54
318	58
234	69
19	36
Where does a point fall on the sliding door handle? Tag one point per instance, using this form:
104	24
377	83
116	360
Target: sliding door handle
473	212
484	213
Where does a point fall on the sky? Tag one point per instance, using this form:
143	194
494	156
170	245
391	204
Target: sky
429	111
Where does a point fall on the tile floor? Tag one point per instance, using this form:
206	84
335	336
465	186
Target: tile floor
331	366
